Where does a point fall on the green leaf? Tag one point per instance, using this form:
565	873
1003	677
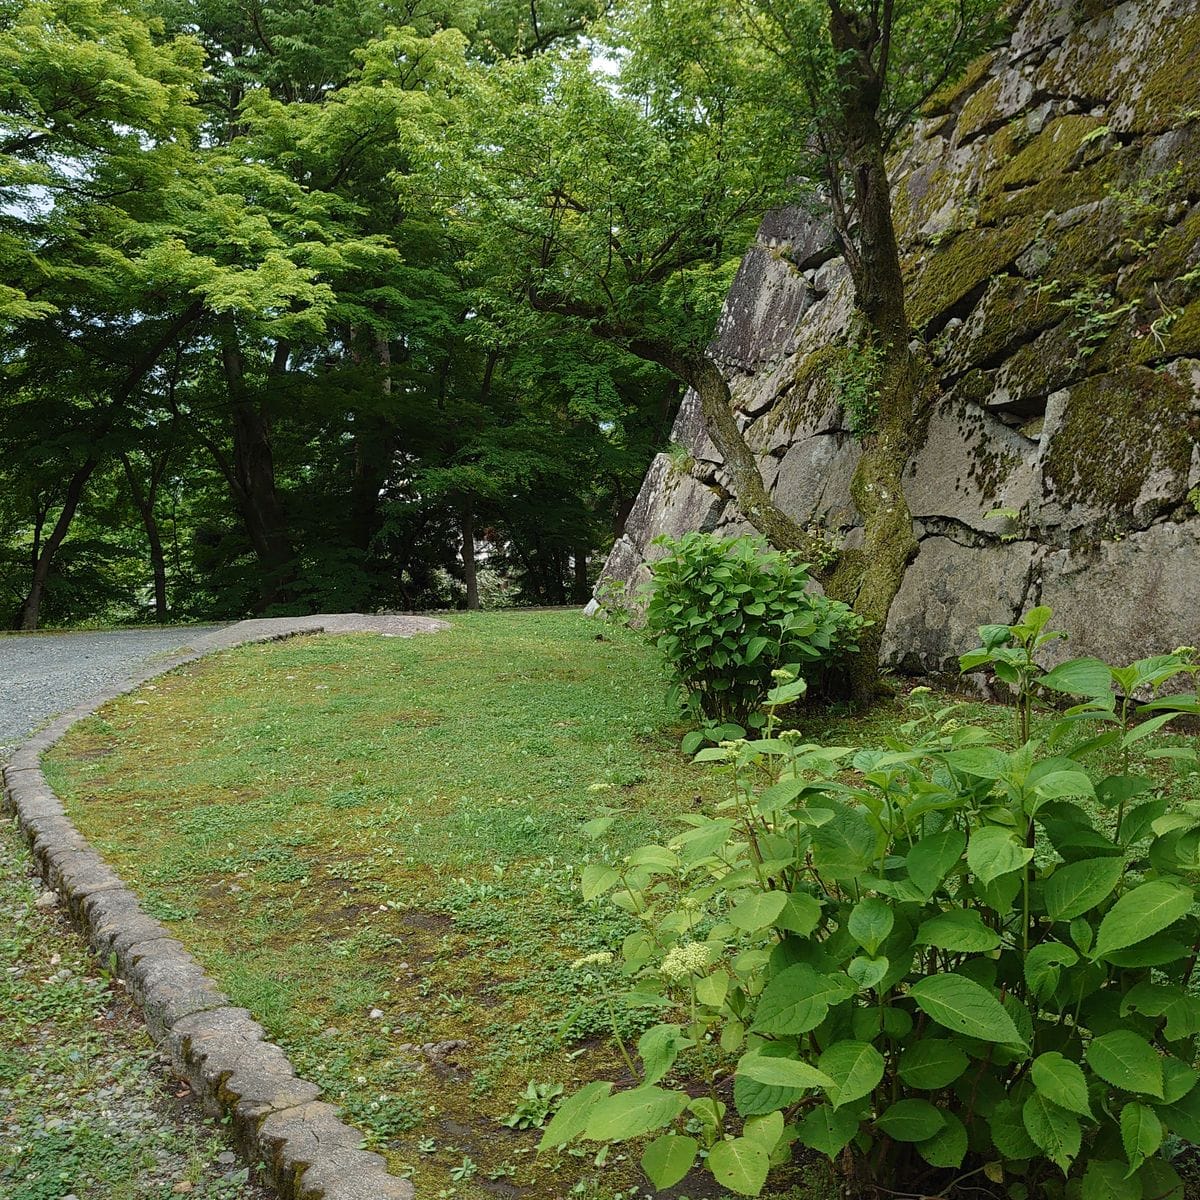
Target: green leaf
1139	914
668	1159
1055	785
633	1113
1126	1060
1183	1117
797	1000
1106	1181
572	1116
1141	1134
960	930
598	879
844	847
854	1068
1079	677
1009	1133
932	858
983	762
801	914
755	646
740	1165
965	1007
870	922
1160	1181
753	1098
765	1130
931	1063
758	911
948	1147
659	1047
911	1121
993	851
712	989
1181	1008
1063	1081
782	1072
692	741
828	1130
1054	1130
1043	967
867	972
1075	888
1178	1079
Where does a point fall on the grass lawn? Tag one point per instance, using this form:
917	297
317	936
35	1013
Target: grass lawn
374	845
345	826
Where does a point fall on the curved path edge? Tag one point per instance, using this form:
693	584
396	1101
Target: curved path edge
308	1151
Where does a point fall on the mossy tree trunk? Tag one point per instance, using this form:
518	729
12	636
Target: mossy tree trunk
861	204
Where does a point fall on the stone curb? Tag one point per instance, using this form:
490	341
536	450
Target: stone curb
276	1117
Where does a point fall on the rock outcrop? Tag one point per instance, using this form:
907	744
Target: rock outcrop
1049	212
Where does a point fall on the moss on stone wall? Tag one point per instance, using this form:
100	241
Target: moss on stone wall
1058	193
1049	153
944	101
1174	88
955	270
812	390
1183	334
979	111
1119	428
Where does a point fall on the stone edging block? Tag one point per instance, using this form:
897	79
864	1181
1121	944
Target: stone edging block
276	1117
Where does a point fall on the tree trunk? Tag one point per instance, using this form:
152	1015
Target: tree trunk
31	608
470	575
583	593
869	578
252	477
141	366
144	502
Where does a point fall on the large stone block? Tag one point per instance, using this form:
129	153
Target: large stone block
813	484
969	464
1128	599
947	593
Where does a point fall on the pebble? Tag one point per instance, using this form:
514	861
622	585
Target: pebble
376	1014
46	900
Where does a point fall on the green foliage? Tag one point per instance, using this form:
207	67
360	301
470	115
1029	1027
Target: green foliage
940	959
727	614
534	1106
856	383
1097	313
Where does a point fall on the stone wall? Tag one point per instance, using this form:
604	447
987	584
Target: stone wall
1049	211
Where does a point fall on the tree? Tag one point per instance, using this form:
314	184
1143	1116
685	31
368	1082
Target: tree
629	197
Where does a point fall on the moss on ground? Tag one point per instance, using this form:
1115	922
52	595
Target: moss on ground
87	1108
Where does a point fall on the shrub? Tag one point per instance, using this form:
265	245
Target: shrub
727	612
953	968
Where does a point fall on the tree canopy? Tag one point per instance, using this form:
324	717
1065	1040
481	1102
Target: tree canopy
326	304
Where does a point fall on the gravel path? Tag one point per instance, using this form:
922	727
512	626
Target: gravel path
42	674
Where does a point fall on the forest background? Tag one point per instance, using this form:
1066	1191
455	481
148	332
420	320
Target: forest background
255	357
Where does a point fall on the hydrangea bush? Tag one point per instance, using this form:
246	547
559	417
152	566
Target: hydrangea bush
726	612
950	966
